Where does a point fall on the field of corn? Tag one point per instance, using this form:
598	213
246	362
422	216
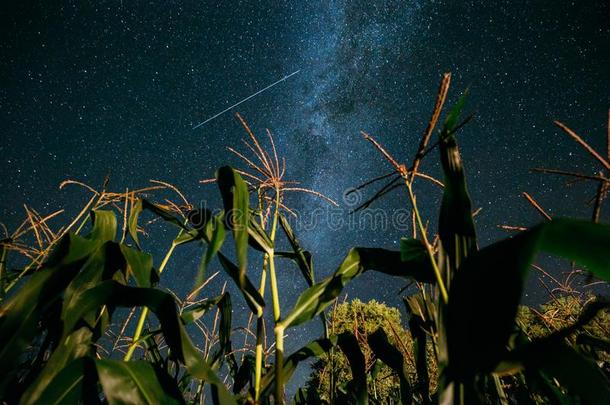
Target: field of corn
76	301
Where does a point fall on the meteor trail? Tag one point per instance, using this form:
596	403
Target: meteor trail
246	99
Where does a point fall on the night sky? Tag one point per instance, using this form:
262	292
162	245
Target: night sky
91	87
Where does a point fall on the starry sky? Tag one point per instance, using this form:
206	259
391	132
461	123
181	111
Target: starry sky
91	87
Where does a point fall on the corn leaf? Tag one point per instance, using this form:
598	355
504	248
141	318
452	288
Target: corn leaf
301	257
140	266
104	226
551	356
216	231
303	260
416	326
134	382
581	376
78	345
306	396
187	237
132	223
195	312
251	295
316	298
235	199
478	346
258	239
456	227
102	264
163	306
593	342
237	214
390	355
163	213
357	387
413	251
75	383
224	333
19	316
245	374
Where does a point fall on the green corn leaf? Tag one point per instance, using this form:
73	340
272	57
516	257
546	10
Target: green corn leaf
594	342
140	266
153	353
307	396
547	360
195	312
489	284
77	345
551	356
581	376
245	374
413	251
258	239
313	349
524	348
251	294
216	231
249	291
132	223
187	237
357	387
425	309
451	121
301	257
376	369
73	248
186	234
421	361
104	226
163	213
303	260
75	383
225	178
537	382
109	261
102	264
316	298
240	218
456	227
19	316
236	201
421	324
390	355
135	382
235	198
163	306
224	330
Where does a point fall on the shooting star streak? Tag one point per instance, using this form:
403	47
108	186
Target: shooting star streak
246	99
